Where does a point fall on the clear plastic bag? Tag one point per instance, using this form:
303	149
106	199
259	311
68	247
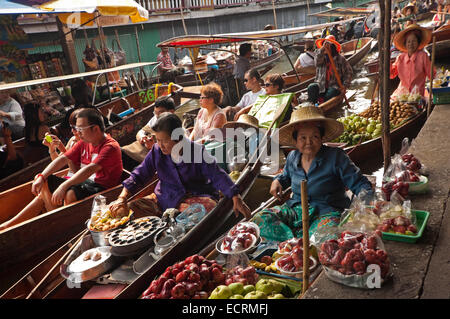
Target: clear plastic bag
355	259
411	162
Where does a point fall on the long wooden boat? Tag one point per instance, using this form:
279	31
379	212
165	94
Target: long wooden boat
371	148
354	51
124	131
193	241
441	49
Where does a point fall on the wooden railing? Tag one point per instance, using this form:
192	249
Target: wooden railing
161	6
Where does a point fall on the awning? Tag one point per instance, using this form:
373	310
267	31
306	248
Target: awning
343	12
192	41
16	85
8	7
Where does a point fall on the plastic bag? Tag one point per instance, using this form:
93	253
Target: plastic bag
354	259
191	216
241	237
411	162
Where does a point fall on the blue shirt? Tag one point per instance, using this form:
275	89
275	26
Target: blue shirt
330	173
200	175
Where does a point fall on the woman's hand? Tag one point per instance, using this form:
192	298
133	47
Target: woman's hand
276	189
54	144
239	206
118	207
236	117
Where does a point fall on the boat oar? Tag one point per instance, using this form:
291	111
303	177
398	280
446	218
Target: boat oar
305	226
336	74
78	238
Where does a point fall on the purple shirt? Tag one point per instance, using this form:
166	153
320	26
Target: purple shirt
176	180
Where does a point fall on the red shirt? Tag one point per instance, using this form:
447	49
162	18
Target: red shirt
107	155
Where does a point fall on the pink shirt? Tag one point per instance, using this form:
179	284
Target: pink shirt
412	71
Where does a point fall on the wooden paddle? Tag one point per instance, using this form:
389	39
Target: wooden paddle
336	74
305	226
430	99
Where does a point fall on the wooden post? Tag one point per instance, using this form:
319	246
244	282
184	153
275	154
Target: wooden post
385	14
430	101
274	14
68	46
305	226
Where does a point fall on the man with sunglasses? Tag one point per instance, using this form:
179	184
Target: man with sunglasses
98	159
252	82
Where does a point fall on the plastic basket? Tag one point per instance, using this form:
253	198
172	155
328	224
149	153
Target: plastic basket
441	95
421	222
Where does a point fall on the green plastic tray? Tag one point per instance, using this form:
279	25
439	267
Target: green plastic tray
421	222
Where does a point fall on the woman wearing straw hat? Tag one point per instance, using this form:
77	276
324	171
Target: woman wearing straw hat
413	65
408	14
327	170
326	85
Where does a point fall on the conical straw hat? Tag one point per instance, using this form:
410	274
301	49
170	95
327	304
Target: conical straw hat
400	38
309	114
244	121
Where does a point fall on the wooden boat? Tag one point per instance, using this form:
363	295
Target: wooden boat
441	49
124	131
354	51
193	241
371	148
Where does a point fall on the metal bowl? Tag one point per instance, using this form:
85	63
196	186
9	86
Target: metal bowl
77	274
297	274
100	238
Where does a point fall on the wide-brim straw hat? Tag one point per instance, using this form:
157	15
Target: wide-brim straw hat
244	121
410	5
329	38
400	38
308	114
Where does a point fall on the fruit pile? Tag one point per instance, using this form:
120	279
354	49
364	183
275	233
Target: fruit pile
242	236
193	278
412	163
358	129
353	252
266	264
263	289
287	245
292	261
246	276
390	187
399	112
400	225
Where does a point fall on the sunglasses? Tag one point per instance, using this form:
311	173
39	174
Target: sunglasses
81	129
245	80
267	84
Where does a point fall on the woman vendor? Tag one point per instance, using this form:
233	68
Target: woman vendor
326	85
413	65
183	179
327	170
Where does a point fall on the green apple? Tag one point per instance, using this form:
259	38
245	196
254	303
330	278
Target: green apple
247	289
277	286
265	285
237	297
221	292
237	288
276	296
255	295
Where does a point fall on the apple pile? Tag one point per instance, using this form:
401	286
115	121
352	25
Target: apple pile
287	245
292	261
242	236
193	278
399	224
246	276
353	252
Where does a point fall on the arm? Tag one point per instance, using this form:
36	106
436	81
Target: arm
15	113
53	167
319	60
350	174
245	110
347	73
10	148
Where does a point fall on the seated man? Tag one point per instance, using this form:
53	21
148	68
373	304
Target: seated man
134	153
167	70
252	81
11	113
184	176
305	61
99	162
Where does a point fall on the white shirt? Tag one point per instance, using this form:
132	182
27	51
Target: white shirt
250	98
13	108
306	60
